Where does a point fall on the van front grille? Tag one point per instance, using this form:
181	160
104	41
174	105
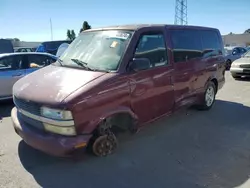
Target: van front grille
245	66
28	106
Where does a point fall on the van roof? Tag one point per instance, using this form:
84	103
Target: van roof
139	26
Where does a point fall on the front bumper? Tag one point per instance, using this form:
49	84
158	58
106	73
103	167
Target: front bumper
237	71
52	144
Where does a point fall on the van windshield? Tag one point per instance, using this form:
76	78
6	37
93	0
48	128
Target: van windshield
98	50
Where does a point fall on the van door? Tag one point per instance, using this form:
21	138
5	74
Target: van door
11	70
212	55
152	91
186	54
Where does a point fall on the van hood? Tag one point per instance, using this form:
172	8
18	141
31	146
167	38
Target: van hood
52	84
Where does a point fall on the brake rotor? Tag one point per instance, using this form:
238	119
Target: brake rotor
104	145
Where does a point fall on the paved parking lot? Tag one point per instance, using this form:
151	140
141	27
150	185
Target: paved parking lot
197	149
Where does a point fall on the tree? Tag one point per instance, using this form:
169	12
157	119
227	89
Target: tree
68	34
85	26
71	34
16	39
247	31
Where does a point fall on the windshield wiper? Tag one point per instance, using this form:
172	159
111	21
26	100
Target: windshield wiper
60	61
82	64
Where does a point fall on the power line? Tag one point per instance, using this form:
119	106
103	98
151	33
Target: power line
181	12
51	29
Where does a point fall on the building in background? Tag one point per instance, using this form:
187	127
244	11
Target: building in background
25	44
236	39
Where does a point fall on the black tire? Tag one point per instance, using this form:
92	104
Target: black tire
211	91
228	64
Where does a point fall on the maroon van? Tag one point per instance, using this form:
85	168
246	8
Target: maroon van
117	78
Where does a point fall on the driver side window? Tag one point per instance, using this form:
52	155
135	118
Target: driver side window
152	47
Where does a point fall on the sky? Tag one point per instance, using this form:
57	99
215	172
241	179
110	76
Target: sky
29	20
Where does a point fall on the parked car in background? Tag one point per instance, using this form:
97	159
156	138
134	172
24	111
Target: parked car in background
34	49
241	66
51	46
23	49
233	53
135	74
6	46
14	66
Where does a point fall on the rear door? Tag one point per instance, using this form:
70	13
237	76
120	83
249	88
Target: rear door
11	70
152	91
212	55
186	50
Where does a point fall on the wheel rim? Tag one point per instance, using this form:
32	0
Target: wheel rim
209	96
105	145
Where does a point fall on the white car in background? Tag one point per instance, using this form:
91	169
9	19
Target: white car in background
14	66
241	66
233	53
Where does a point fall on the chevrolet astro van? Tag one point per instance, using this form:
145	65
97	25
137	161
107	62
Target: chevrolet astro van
116	79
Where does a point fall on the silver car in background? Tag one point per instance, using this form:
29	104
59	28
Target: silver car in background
14	66
241	66
233	53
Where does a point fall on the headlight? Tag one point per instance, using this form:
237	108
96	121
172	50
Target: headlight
234	65
68	131
56	114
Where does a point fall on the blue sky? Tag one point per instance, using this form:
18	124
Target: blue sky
28	20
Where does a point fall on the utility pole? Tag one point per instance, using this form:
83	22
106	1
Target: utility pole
51	29
180	12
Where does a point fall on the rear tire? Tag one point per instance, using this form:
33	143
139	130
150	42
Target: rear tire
228	64
208	97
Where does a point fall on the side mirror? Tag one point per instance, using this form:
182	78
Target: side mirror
138	64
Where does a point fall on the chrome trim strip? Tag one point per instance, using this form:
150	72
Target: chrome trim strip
47	120
5	98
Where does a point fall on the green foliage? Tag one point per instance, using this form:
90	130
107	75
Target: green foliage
247	31
71	35
85	26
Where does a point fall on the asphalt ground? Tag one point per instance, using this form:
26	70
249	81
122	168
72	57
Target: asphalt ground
189	149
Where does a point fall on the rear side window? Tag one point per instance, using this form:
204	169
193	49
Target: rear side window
243	50
10	63
186	45
152	47
211	43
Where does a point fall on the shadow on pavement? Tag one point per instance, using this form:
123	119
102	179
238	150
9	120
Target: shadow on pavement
201	149
243	79
5	108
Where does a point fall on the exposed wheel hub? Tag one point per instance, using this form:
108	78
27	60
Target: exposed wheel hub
105	145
